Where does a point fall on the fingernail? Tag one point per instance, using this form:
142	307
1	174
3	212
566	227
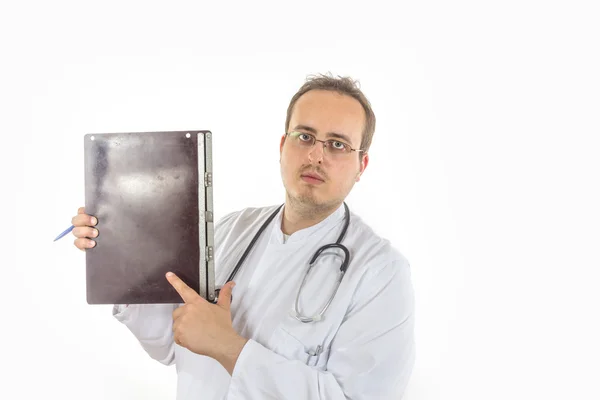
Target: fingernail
94	221
169	274
91	244
95	232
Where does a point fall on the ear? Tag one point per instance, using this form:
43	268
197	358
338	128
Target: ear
363	166
281	145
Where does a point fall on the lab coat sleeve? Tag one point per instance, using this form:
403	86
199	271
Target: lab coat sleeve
371	356
152	325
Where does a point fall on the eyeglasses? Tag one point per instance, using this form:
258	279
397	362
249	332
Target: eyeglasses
334	147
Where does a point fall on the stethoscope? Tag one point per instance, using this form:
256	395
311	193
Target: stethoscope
296	313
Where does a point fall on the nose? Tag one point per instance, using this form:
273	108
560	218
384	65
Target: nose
316	153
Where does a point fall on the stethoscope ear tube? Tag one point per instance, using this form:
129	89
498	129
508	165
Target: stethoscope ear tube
243	257
344	265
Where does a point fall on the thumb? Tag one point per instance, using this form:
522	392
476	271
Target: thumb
224	299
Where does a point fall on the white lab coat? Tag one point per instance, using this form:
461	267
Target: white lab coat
367	332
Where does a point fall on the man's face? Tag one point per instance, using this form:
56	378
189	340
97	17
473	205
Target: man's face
322	114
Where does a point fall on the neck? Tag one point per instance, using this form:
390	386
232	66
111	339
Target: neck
297	216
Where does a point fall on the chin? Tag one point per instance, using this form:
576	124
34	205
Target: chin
317	203
303	196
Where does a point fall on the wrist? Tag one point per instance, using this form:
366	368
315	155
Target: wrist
230	353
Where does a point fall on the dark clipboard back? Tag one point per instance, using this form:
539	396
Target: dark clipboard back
152	195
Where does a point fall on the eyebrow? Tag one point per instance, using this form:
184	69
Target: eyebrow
328	134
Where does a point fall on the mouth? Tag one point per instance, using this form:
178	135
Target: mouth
312	178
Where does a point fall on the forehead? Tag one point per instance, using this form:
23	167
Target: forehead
326	111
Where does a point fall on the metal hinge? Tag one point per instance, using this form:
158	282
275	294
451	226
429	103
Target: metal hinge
209	253
207	179
206	216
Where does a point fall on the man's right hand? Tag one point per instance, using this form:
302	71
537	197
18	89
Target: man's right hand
84	231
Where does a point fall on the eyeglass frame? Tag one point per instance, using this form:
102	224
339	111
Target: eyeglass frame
325	141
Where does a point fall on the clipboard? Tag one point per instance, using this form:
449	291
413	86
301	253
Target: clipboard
152	194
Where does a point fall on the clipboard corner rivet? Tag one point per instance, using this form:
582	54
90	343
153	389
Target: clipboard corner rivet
187	135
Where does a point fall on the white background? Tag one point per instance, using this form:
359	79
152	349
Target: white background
483	171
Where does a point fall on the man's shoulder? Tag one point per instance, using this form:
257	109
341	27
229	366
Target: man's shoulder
376	249
379	264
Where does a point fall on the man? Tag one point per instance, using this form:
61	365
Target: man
257	347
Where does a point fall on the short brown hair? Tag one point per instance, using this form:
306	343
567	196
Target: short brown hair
343	85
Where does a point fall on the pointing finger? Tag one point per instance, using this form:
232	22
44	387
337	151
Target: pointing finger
187	293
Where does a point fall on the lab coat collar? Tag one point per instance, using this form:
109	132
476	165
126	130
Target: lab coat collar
303	234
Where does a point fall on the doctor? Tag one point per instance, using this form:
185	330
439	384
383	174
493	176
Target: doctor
274	341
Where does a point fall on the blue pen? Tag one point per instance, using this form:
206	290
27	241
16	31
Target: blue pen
65	232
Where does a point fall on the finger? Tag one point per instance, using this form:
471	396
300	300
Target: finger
82	243
81	210
187	293
84	220
85	232
225	296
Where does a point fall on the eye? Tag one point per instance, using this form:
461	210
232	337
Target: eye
305	138
338	145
